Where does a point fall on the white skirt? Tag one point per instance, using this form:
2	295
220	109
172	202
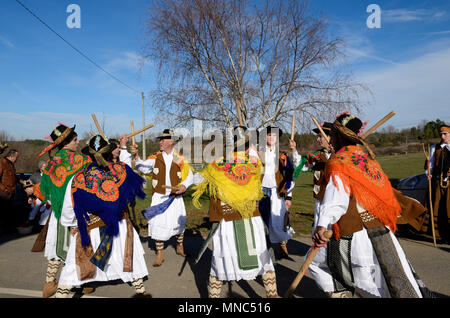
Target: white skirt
172	222
50	239
278	210
114	265
366	270
224	262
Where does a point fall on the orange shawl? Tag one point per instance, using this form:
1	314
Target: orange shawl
364	180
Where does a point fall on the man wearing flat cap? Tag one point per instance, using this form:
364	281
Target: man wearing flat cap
172	175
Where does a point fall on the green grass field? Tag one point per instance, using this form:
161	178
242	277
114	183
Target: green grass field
302	210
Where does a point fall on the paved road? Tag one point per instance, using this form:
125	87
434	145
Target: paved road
22	272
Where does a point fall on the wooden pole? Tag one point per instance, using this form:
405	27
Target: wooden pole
430	194
312	253
98	126
378	124
92	133
137	132
143	125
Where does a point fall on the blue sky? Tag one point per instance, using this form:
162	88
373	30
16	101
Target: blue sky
405	63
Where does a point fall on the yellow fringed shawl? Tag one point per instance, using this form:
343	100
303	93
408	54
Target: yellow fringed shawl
236	182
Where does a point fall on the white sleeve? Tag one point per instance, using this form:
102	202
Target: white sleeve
334	204
296	159
125	157
189	180
68	214
432	159
146	167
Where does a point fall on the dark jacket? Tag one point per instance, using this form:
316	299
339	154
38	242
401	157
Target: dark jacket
7	178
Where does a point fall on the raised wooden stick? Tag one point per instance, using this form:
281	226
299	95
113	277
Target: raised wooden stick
98	126
430	195
293	127
137	132
378	124
133	139
92	133
312	253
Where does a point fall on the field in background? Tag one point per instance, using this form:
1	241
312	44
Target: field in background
302	210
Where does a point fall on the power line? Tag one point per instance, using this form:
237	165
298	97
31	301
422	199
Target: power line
77	50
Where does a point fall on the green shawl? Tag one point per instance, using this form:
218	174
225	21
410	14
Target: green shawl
57	174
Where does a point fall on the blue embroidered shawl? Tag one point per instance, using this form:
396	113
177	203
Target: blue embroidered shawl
105	194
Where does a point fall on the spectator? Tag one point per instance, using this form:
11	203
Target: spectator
7	188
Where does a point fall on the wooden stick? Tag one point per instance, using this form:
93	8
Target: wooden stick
293	127
137	132
312	253
378	124
92	133
133	139
324	135
98	126
430	195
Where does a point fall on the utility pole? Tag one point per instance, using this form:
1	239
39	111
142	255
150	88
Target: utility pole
143	125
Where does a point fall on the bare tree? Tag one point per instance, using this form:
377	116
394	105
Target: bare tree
221	59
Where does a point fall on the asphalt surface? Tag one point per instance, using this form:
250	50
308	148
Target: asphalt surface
22	272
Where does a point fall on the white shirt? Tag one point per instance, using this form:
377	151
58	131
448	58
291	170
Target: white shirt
433	156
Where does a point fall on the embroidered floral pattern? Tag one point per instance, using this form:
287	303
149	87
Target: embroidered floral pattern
104	184
63	165
358	160
237	170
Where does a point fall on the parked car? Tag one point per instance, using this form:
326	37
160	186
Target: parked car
415	187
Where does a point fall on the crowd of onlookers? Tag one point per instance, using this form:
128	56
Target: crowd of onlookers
20	211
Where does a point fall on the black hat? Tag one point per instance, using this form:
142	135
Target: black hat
97	147
350	122
58	136
168	134
326	127
273	129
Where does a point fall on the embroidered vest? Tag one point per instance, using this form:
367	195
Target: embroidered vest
354	220
159	175
279	177
219	210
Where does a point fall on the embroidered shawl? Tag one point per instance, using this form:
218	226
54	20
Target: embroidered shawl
364	179
57	175
236	182
105	194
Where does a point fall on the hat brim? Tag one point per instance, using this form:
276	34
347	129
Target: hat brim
325	130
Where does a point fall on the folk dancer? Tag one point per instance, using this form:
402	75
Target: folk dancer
360	206
277	185
316	162
172	175
104	245
239	242
55	237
